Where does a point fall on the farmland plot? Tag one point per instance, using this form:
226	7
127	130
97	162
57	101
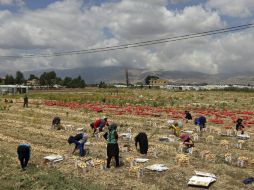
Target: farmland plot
138	110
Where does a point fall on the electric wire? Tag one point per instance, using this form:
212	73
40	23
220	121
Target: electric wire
135	44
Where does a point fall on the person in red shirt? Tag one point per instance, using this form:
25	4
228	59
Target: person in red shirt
99	123
188	142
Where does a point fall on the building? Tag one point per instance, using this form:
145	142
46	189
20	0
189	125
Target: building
33	82
13	89
158	82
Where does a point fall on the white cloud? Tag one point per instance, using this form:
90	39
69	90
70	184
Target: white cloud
12	2
178	1
67	25
6	2
233	8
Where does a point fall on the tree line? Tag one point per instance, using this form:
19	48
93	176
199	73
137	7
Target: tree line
45	79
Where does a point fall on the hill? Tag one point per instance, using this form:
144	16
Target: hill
114	74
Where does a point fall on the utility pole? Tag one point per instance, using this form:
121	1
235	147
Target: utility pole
127	76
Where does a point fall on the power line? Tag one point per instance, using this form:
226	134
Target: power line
136	44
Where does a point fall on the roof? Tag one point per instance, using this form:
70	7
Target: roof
13	86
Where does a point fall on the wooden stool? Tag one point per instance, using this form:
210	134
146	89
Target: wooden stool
211	129
197	129
203	153
136	170
229	132
204	129
209	138
131	160
240	144
228	157
225	144
242	161
195	137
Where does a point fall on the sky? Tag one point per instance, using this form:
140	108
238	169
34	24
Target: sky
49	26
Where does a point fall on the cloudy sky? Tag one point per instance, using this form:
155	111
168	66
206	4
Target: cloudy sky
48	26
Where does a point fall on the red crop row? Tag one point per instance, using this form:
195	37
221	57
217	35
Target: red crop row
217	116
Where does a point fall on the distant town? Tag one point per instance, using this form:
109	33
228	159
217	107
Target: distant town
49	80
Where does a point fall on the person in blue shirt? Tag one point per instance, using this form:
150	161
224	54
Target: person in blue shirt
79	140
239	126
201	121
24	152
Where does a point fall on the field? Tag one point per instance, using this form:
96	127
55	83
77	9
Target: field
135	109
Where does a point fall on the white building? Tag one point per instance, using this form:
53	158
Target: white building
13	89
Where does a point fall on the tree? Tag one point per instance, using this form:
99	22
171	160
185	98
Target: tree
67	82
150	77
32	76
102	85
59	81
140	84
48	78
20	79
9	79
77	83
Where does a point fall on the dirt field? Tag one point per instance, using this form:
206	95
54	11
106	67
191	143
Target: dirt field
138	110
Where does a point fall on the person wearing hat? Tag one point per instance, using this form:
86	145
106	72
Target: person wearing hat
79	140
24	152
239	126
188	142
100	123
112	146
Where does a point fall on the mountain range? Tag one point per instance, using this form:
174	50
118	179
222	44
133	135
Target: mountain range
114	74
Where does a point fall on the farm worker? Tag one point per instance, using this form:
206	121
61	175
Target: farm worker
239	126
188	142
99	123
79	140
112	146
201	121
24	152
142	140
25	101
188	116
56	123
176	126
